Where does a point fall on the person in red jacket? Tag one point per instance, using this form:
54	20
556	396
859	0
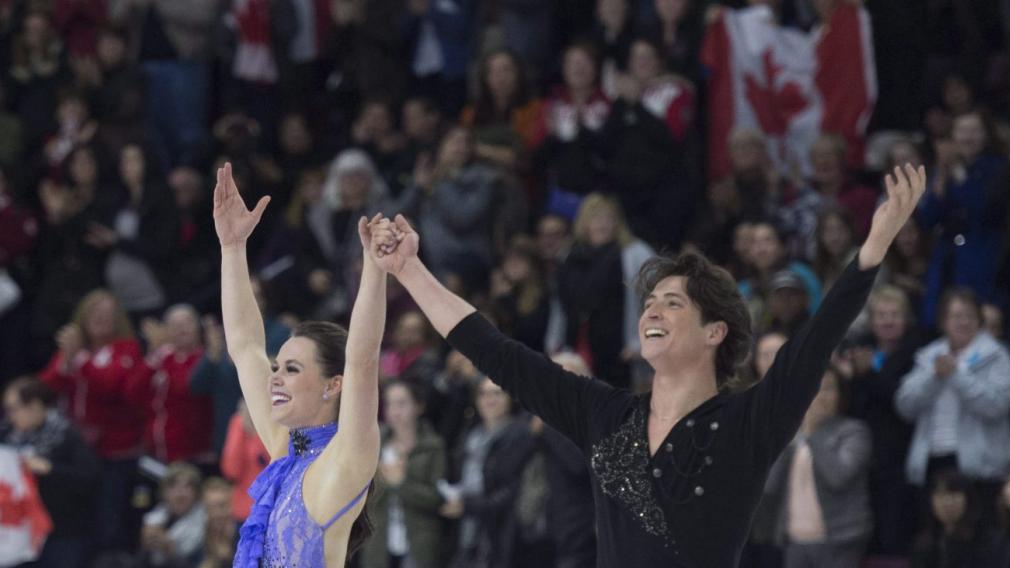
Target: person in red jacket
92	371
179	423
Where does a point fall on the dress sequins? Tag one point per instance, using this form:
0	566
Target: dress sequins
621	464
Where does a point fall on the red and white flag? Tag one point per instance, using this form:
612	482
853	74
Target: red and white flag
24	522
791	85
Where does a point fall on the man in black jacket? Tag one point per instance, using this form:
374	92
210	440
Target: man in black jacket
677	472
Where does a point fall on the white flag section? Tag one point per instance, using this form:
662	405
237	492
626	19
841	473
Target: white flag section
24	522
789	84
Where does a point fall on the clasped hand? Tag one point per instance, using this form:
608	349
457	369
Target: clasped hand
389	243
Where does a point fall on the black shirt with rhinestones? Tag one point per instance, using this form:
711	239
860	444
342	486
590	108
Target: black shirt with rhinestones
691	503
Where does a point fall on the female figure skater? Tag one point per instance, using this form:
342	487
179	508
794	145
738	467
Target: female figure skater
307	503
677	472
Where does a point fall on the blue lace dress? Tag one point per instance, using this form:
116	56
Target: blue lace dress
279	531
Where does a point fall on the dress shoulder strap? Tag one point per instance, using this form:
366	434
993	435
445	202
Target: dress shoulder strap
343	510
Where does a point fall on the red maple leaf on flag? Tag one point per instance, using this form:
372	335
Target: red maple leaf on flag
12	511
774	108
27	509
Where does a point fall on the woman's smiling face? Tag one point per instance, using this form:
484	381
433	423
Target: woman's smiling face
297	386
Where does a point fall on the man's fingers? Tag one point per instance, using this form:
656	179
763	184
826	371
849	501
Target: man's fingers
913	179
889	184
901	185
402	224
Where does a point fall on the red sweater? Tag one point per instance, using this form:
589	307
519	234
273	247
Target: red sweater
97	393
179	423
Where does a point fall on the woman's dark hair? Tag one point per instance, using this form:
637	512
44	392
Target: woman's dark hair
474	387
30	389
780	232
484	110
587	47
712	289
414	390
952	481
962	294
100	166
529	292
152	167
824	264
897	263
843	386
330	340
648	40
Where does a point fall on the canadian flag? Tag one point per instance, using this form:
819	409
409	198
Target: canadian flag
789	84
24	522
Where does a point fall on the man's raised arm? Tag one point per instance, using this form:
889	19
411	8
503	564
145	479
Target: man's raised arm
562	399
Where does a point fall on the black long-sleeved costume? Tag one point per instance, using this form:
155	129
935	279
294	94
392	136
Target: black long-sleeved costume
691	503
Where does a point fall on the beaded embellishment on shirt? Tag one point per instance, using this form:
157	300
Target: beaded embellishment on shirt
621	464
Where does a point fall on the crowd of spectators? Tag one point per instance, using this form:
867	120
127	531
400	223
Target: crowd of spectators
544	150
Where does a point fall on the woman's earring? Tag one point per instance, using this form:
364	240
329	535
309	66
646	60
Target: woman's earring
326	396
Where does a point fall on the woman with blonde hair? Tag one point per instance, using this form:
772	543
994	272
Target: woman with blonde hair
92	370
878	365
592	284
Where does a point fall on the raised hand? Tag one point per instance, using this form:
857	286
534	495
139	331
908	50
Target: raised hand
365	230
393	244
904	189
233	221
155	333
70	340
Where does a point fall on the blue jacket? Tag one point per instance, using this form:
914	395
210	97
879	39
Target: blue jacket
453	21
961	218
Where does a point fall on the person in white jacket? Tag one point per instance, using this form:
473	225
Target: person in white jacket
958	397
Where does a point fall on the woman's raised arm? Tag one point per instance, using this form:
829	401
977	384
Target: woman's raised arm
355	447
243	324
